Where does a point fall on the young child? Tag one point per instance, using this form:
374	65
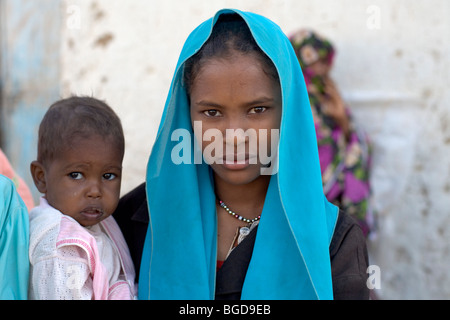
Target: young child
230	228
76	248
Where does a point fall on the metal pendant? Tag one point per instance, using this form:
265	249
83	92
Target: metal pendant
244	231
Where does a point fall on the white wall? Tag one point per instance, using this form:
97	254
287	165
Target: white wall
392	67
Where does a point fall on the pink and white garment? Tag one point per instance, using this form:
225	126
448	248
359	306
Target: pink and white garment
69	261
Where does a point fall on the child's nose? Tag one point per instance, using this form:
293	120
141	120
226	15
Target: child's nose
94	190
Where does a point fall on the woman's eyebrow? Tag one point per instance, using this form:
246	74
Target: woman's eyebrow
206	103
261	100
257	101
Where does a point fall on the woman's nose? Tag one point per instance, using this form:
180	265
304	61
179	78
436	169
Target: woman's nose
236	137
236	132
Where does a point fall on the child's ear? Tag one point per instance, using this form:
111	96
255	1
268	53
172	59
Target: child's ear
39	178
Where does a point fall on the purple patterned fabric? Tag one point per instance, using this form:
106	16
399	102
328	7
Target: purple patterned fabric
345	159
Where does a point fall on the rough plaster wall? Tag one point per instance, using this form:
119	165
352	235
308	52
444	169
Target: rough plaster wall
29	76
392	67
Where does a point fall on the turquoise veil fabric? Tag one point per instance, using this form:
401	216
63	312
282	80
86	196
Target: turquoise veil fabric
14	241
291	254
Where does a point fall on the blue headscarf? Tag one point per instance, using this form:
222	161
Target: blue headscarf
14	241
290	258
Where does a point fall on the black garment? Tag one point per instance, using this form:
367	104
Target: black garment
348	251
132	217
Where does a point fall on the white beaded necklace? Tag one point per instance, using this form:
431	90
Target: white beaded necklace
244	230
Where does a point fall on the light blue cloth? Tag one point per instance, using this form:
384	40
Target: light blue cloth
14	241
291	254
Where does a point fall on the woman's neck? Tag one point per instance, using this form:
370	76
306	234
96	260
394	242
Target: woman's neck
247	200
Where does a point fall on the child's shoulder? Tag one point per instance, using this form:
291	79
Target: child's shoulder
43	221
50	230
44	228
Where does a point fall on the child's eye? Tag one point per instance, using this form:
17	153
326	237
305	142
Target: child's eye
109	176
212	113
76	175
257	110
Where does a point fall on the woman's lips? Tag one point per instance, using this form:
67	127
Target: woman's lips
238	162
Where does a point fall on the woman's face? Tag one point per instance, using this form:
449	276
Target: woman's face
236	98
320	68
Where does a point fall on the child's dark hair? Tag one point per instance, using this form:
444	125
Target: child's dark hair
230	34
77	117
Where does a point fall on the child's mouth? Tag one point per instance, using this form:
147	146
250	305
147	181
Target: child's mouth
92	212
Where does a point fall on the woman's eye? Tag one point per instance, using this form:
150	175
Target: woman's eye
109	176
212	113
257	110
76	175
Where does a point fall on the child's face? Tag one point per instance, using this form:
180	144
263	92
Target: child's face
84	181
236	93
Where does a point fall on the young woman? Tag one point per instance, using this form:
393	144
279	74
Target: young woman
247	219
